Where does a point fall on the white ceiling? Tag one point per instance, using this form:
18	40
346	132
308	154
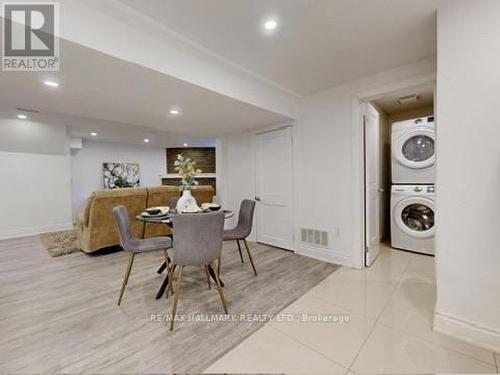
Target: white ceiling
319	43
389	104
111	95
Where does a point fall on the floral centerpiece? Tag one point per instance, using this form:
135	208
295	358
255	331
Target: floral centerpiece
187	171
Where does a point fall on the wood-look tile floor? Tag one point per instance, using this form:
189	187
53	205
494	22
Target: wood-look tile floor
59	315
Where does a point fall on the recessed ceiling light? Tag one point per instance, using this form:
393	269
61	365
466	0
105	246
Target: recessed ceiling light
51	83
270	24
174	111
22	117
185	144
146	140
93	134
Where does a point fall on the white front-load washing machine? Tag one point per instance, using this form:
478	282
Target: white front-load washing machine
413	151
412	218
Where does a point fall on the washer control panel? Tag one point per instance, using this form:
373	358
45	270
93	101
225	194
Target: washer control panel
414	189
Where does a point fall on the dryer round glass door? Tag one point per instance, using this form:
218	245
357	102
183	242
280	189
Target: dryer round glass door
415	217
416	149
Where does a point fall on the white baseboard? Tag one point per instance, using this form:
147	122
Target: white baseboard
470	332
33	231
326	255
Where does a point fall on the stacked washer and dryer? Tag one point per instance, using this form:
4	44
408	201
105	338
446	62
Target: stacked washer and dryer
413	177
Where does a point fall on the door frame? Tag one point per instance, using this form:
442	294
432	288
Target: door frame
358	100
367	109
293	129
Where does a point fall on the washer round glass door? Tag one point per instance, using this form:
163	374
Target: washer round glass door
415	216
416	148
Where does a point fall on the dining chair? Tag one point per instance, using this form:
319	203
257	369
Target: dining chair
172	203
197	242
243	229
134	245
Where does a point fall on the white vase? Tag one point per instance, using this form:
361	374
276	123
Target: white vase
187	203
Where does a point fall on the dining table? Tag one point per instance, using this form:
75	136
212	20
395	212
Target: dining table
166	219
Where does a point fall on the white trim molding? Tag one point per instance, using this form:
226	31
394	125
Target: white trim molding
33	231
326	255
470	332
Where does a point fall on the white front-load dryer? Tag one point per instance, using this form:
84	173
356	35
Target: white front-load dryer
413	151
412	218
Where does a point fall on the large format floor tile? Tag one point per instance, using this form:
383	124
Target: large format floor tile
339	337
270	351
390	308
421	268
390	265
419	324
391	351
415	295
367	297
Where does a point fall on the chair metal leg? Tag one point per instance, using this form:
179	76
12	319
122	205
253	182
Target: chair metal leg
176	299
170	281
208	277
169	262
125	279
239	249
162	268
250	256
218	268
221	293
165	263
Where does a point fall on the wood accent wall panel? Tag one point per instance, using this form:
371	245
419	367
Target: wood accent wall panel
204	157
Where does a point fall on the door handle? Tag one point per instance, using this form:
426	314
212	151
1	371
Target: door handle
380	190
257	199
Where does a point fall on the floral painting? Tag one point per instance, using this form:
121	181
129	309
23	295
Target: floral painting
121	175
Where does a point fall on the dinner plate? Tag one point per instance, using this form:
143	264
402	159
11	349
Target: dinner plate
145	214
163	211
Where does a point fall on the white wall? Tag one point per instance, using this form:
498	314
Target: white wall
86	167
31	136
326	165
236	173
35	192
35	196
468	172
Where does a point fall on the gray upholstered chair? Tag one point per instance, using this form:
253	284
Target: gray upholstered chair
172	203
197	242
243	229
133	245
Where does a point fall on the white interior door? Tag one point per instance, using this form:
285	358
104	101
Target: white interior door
274	188
373	190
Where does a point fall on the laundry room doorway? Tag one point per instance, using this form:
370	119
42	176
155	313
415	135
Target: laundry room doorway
378	114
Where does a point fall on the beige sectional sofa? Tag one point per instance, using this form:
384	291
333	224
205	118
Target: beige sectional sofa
96	225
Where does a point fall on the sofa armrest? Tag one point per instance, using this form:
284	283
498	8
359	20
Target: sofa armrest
84	217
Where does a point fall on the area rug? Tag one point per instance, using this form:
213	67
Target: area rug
60	243
135	337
